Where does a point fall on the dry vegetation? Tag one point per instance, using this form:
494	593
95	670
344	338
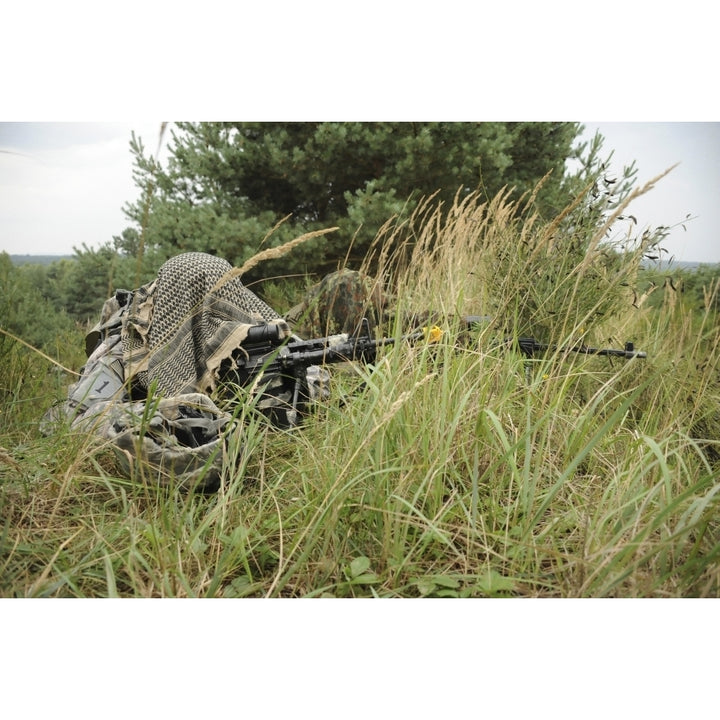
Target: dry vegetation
461	470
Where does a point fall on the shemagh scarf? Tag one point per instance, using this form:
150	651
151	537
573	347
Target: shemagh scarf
180	327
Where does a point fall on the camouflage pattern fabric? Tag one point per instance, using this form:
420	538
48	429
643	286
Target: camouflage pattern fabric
337	304
174	333
180	443
111	319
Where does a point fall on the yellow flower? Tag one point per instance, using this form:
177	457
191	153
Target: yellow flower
433	334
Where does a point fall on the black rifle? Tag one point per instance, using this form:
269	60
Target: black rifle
530	347
281	364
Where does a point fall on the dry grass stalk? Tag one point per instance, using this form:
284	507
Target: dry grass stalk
269	254
39	352
600	234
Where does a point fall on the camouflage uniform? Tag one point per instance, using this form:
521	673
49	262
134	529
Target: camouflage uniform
337	304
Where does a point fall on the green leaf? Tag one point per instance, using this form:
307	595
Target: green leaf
425	585
447	593
358	566
365	579
446	581
493	582
437	585
199	545
110	577
237	586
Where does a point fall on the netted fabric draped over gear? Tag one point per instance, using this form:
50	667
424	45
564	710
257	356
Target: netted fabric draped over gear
170	335
181	326
161	351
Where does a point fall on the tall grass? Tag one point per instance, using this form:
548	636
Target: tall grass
456	469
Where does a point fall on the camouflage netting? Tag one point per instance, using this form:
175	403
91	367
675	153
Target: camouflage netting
181	326
337	304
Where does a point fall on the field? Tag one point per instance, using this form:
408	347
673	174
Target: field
456	469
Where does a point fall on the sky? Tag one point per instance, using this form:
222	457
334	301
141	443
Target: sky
691	188
63	185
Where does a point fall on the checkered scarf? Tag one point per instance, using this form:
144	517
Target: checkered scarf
180	327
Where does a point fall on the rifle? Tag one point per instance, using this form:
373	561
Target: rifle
281	365
530	347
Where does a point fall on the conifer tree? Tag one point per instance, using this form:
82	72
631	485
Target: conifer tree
226	186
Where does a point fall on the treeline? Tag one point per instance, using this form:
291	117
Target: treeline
231	188
690	286
40	302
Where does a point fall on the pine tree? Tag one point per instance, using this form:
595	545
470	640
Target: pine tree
228	185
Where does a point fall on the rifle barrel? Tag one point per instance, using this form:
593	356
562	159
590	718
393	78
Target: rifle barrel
529	346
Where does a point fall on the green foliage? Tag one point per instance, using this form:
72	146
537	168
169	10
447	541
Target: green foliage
696	288
560	280
77	287
29	381
227	185
29	306
446	470
451	471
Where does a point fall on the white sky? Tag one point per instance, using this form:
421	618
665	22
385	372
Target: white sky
63	185
691	187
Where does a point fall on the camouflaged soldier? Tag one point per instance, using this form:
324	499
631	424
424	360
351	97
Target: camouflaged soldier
338	304
173	336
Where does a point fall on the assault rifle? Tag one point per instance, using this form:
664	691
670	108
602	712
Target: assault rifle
280	365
